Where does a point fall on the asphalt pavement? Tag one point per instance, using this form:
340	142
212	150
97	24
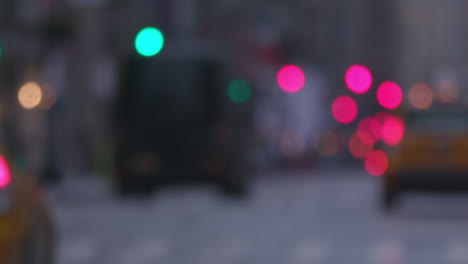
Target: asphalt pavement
327	216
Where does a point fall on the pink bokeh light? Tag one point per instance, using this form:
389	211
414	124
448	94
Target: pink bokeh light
344	109
369	130
389	95
291	78
376	163
393	130
5	177
358	79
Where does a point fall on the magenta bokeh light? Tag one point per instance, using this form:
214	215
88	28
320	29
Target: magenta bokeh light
358	79
376	163
5	176
344	109
369	130
291	78
389	95
393	130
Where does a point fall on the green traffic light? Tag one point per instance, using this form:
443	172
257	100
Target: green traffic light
149	41
239	91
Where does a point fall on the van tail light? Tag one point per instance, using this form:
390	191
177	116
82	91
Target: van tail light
5	175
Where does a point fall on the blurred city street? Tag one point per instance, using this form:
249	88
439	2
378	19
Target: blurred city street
307	120
327	216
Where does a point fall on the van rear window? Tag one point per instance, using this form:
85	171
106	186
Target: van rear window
185	88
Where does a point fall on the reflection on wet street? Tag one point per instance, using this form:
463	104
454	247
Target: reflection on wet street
314	217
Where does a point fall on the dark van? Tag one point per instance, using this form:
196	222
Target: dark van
175	124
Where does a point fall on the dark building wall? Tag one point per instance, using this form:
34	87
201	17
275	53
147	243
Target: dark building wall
380	45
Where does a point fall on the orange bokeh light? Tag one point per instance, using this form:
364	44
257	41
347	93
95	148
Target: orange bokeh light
292	143
30	95
420	96
448	91
358	148
331	143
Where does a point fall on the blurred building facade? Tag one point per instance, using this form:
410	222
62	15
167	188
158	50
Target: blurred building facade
405	41
259	36
433	37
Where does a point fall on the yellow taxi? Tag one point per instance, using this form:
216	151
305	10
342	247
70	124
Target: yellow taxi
26	231
433	155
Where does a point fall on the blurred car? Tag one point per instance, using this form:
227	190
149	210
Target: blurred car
175	123
26	230
433	155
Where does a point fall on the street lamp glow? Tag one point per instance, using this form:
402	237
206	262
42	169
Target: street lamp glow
149	41
30	95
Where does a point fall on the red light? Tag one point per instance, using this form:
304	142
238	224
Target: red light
358	148
5	176
291	78
358	79
381	117
393	130
376	163
389	95
344	109
369	130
